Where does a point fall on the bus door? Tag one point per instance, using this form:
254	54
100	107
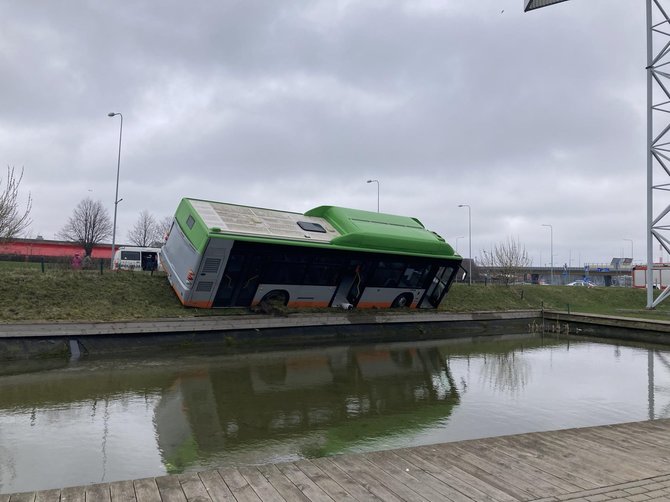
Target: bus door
437	288
239	282
351	284
249	281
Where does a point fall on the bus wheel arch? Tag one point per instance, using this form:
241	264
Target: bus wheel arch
276	297
403	301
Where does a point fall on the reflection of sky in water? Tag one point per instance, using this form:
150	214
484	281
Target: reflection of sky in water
108	440
107	420
587	384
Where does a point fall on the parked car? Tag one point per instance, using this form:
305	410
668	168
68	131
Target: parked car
582	283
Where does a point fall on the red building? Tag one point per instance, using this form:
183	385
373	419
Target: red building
50	249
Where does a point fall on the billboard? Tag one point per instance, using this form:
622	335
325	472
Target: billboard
536	4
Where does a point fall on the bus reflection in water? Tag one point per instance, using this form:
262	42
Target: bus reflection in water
224	255
337	396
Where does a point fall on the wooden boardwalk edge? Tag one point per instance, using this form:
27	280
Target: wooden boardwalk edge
613	462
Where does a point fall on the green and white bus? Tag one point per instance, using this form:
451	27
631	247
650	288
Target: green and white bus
226	255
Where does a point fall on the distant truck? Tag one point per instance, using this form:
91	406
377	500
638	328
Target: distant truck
137	258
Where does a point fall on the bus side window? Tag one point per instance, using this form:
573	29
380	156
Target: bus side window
387	274
413	276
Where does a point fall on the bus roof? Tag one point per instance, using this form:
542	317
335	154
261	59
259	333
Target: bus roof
324	226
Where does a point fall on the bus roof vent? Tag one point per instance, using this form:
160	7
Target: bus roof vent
310	226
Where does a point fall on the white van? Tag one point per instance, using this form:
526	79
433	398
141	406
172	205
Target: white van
137	258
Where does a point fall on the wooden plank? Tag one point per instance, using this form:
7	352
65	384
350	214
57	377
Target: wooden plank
47	496
263	488
629	440
585	459
351	485
323	481
566	461
4	498
73	494
548	483
659	429
122	491
598	455
215	486
170	489
439	485
23	497
238	485
362	474
281	483
644	436
647	457
303	483
461	481
146	490
99	493
452	457
495	464
193	488
541	458
383	462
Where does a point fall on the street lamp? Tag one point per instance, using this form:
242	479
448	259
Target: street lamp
459	237
116	195
469	242
631	250
376	181
551	233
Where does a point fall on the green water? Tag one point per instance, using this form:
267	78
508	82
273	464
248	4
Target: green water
100	420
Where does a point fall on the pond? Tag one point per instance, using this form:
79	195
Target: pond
99	420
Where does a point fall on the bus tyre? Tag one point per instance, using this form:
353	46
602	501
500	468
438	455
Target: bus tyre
275	298
403	301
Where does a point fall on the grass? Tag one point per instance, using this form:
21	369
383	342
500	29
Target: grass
86	295
609	301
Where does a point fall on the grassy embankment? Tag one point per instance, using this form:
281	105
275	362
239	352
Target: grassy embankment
29	295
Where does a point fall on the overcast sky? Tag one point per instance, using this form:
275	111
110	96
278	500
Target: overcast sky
531	119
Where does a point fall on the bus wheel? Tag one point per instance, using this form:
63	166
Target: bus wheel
275	298
403	301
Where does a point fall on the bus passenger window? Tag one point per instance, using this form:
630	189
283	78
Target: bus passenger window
321	275
413	276
387	274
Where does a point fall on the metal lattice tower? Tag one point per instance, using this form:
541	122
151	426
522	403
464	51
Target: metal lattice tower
658	132
658	137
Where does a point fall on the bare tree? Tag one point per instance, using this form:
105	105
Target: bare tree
505	260
89	225
13	220
164	226
145	231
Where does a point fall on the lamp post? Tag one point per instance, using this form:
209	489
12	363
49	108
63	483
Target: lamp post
469	242
459	237
631	250
551	249
116	194
376	181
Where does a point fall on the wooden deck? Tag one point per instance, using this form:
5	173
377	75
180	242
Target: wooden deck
626	462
